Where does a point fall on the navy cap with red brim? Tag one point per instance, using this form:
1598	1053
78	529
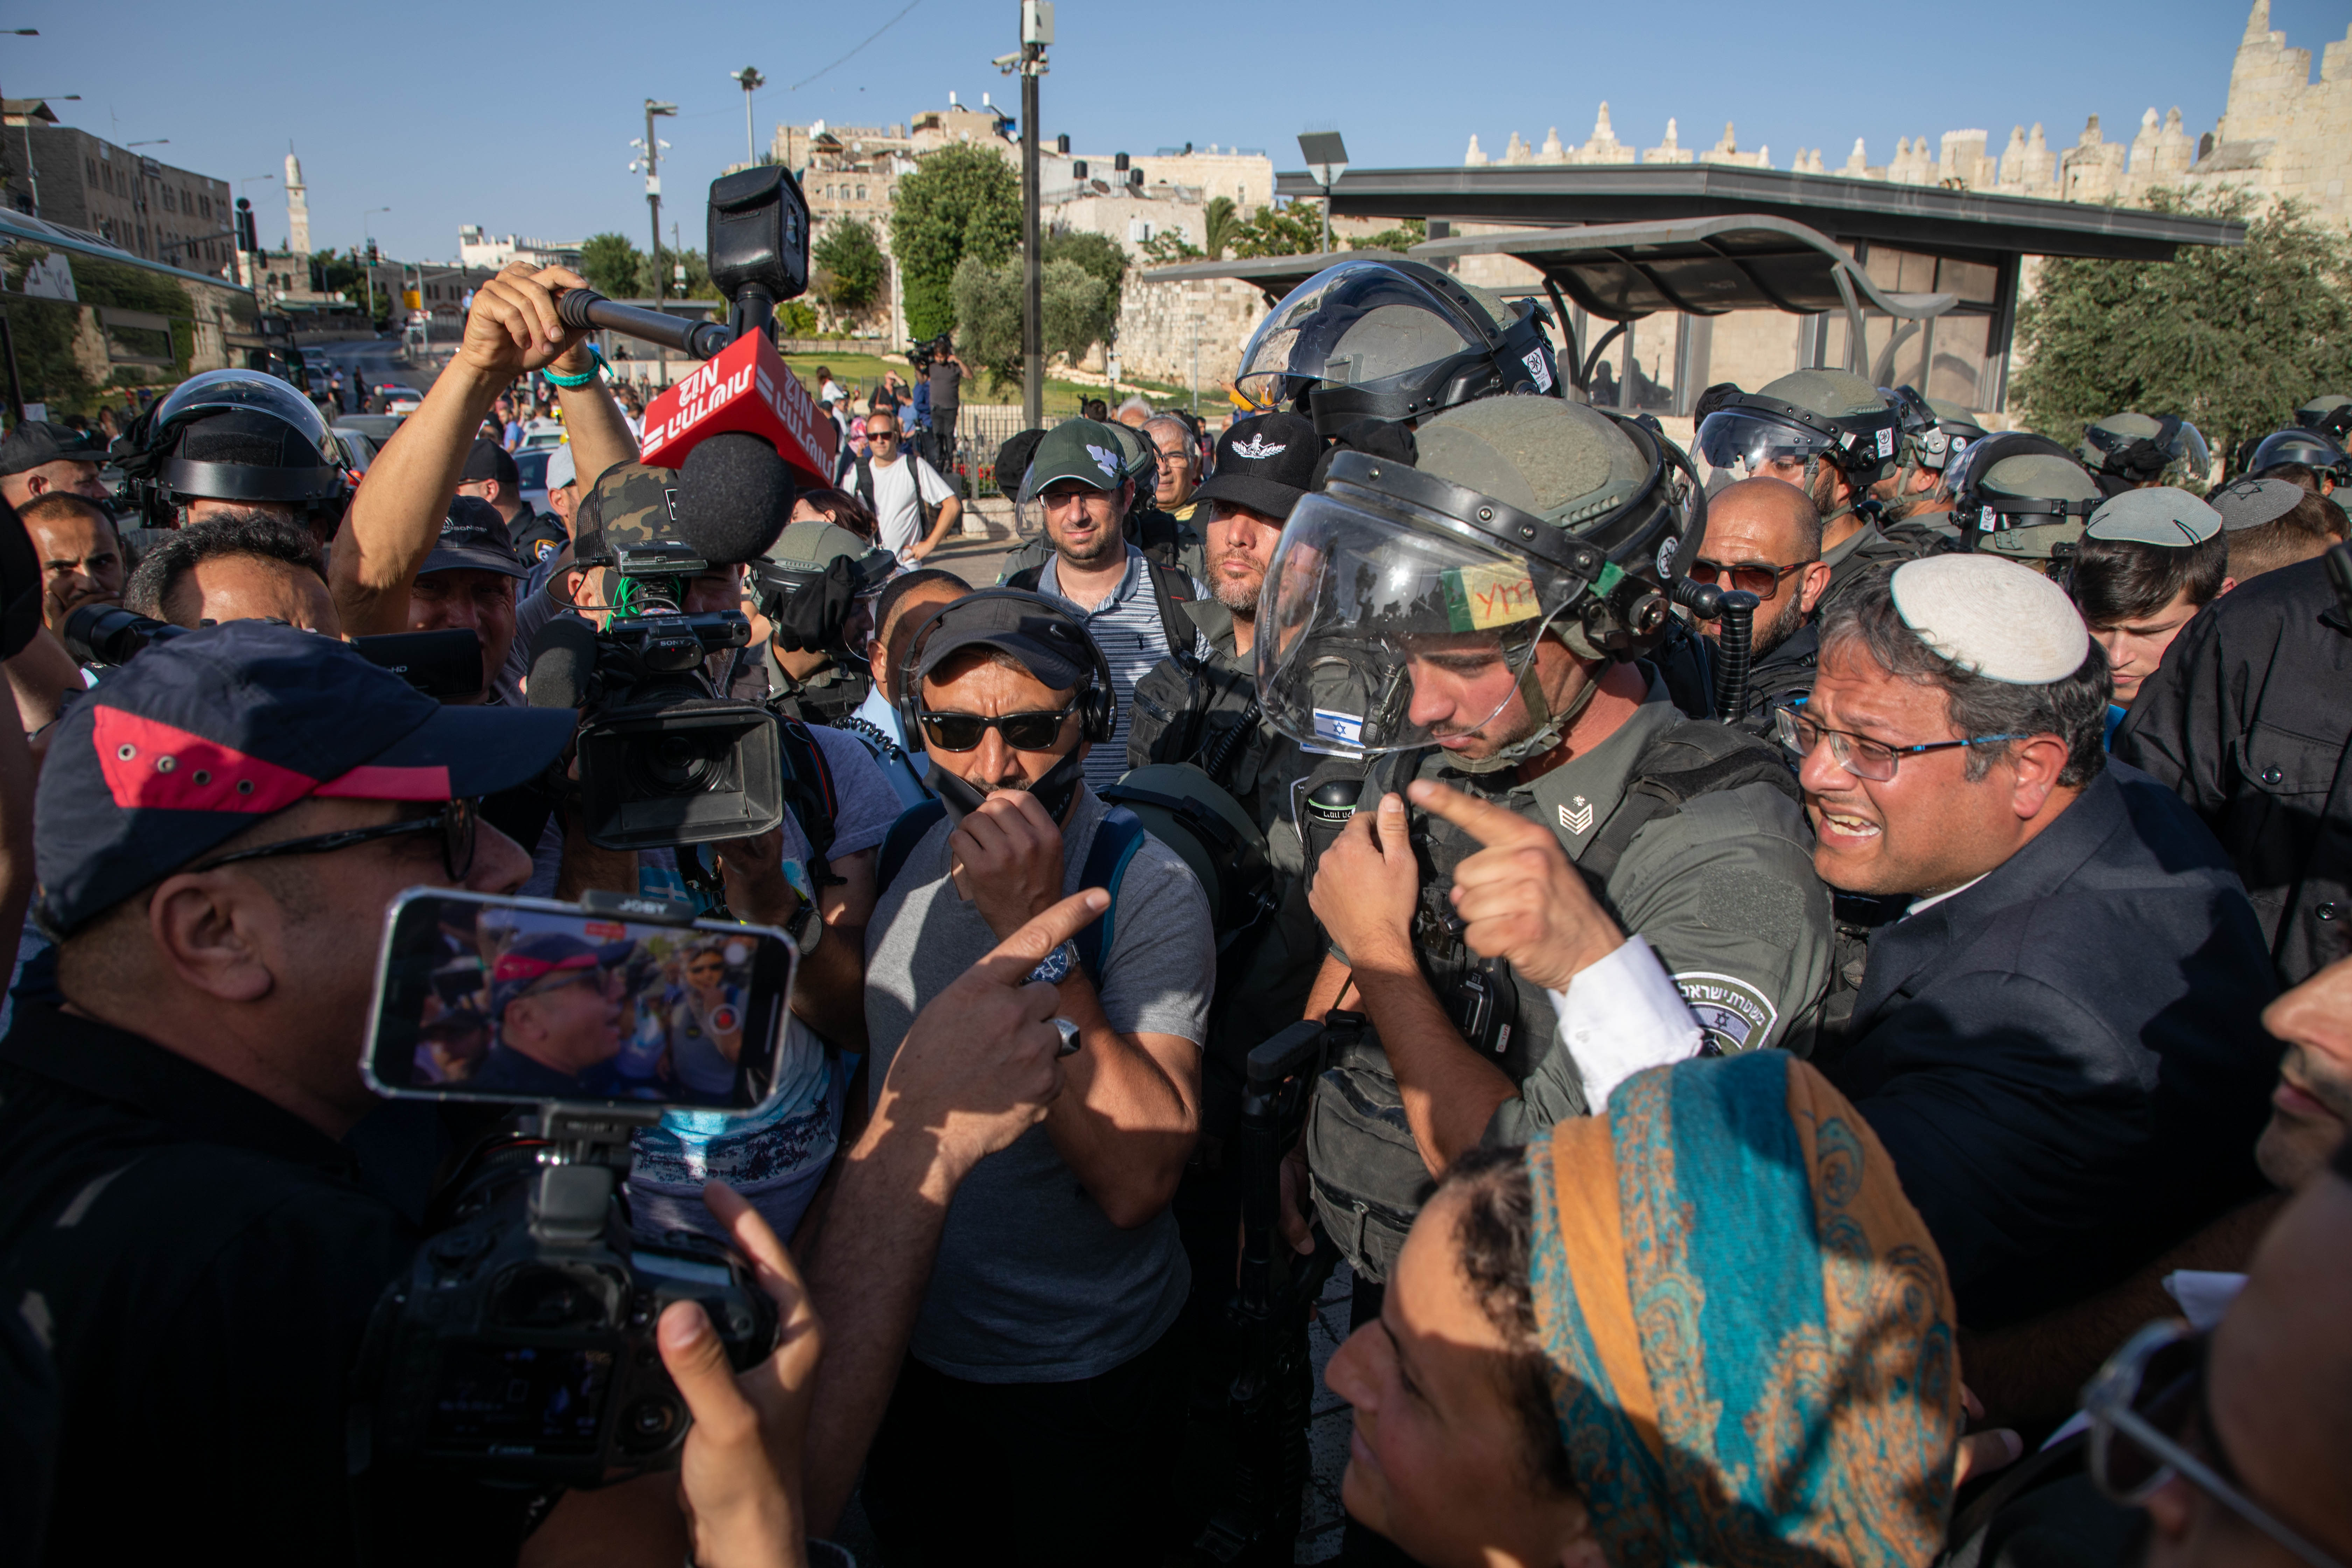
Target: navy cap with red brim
200	738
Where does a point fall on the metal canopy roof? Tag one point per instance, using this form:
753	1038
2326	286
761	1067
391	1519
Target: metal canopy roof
1703	266
1974	224
1275	276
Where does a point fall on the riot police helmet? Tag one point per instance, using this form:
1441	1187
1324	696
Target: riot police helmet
1524	517
2023	496
2127	450
236	436
1798	423
2321	454
1393	339
1934	433
2330	413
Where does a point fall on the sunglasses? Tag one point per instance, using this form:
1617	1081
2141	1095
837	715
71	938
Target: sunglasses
1761	581
881	434
2141	1403
1864	759
1021	732
455	821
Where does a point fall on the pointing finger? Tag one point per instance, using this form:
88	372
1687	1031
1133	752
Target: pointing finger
1489	824
1011	961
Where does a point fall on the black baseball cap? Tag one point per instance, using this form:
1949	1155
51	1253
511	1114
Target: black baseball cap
474	537
1047	640
489	460
201	737
1265	463
36	442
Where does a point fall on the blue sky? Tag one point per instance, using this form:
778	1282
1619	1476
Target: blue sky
519	117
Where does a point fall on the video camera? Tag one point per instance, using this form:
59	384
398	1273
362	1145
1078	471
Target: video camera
519	1345
666	758
445	664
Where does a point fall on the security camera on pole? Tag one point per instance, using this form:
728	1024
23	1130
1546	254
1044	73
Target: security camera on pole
1037	33
751	81
651	148
1326	160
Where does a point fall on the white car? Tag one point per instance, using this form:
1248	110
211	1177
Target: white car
540	434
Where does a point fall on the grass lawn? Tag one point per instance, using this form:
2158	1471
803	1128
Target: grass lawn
861	371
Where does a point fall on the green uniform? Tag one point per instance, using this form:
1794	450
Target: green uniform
1722	890
1871	546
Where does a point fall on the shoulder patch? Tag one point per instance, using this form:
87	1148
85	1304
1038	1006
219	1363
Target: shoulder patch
1732	1013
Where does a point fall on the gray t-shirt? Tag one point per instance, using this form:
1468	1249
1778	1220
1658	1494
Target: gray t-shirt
1033	1283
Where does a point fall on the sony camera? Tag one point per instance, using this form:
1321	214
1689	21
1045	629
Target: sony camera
666	758
519	1347
445	664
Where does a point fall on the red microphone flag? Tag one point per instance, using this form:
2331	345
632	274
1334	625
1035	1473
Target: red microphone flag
749	388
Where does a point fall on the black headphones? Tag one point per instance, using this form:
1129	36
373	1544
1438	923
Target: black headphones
1097	703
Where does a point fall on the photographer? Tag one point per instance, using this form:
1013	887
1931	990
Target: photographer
393	524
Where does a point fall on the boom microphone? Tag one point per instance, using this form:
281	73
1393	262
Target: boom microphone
562	660
734	497
748	388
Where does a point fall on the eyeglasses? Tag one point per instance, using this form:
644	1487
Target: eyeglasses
1761	581
1021	732
2148	1393
455	822
1864	759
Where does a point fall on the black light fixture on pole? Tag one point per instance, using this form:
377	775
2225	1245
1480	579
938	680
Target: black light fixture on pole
1326	160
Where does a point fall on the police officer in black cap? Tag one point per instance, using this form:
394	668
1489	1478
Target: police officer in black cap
38	459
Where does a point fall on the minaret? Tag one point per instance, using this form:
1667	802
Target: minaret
298	208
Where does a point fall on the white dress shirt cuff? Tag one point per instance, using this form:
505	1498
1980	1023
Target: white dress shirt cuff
1621	1016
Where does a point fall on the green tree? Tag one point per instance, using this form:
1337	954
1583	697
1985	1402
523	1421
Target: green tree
2228	337
698	284
1098	255
612	265
1169	246
1293	230
1076	311
1219	220
1404	236
959	201
848	273
334	271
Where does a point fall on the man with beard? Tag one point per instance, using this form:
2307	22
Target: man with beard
1129	603
1765	536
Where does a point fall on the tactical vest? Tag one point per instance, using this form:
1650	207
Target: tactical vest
1366	1172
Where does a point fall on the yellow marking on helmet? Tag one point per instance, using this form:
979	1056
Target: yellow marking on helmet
1478	598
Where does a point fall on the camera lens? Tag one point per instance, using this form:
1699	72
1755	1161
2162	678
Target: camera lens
649	1421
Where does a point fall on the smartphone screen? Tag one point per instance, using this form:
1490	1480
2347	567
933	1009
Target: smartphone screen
479	997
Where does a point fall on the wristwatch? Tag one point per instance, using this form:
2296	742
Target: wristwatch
1056	965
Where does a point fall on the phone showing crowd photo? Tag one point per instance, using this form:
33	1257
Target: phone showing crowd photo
480	997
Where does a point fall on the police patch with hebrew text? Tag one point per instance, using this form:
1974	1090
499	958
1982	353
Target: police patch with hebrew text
1733	1014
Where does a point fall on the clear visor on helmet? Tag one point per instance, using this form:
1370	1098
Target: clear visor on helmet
1356	322
1752	443
2184	444
222	390
1385	631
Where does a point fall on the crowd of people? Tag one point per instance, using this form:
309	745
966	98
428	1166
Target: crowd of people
1878	1100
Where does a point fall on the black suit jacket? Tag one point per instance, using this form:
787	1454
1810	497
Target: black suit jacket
2065	1060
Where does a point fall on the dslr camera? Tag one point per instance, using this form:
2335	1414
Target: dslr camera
519	1347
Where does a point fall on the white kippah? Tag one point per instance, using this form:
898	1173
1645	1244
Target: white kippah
1992	617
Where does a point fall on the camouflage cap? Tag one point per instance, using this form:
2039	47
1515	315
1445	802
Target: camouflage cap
630	505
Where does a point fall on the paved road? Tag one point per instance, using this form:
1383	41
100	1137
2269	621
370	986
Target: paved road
367	363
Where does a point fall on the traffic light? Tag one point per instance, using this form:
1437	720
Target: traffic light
371	253
246	240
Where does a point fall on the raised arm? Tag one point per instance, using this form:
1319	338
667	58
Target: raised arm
512	331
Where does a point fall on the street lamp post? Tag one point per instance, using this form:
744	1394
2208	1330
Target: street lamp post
367	259
32	180
1036	35
1327	159
653	186
751	81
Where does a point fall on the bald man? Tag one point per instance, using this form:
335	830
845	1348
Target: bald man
1764	535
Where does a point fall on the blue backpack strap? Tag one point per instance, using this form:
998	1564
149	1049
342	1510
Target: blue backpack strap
1115	842
900	841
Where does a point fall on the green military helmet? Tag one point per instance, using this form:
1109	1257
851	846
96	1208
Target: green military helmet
816	582
2330	413
2129	449
1184	809
2022	496
1808	416
1934	432
1523	516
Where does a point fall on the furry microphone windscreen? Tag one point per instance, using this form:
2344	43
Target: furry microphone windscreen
734	497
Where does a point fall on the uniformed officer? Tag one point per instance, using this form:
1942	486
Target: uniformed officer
2324	455
2330	413
1830	434
2023	496
2246	721
823	683
1480	619
2132	451
1916	498
233	440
